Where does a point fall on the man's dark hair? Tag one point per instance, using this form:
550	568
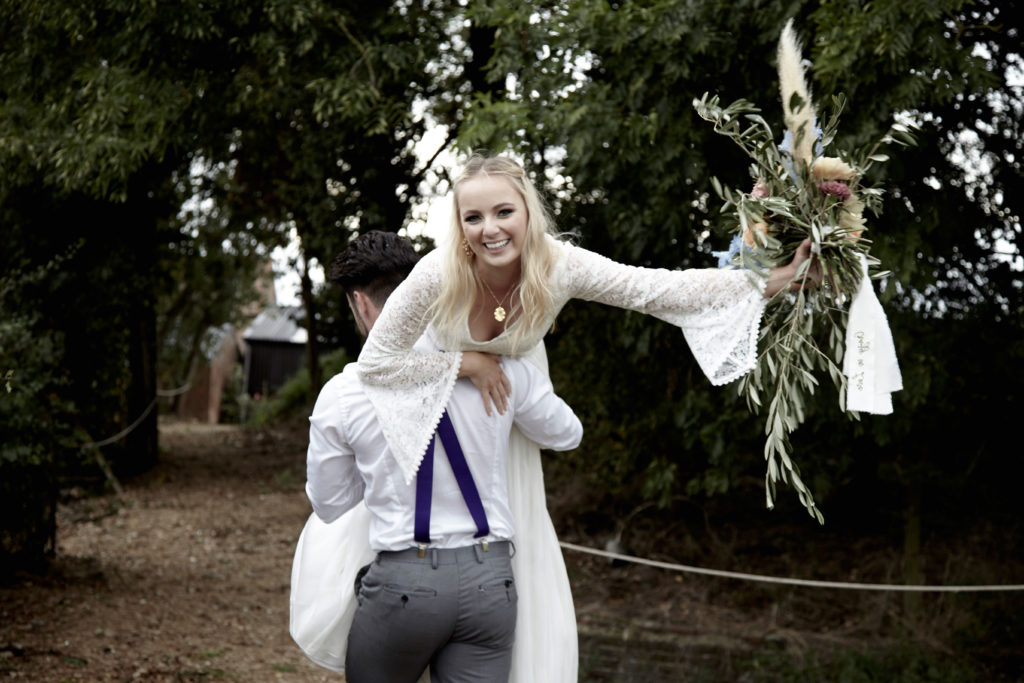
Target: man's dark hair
374	263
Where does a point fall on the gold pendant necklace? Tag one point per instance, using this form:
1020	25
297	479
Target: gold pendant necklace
499	313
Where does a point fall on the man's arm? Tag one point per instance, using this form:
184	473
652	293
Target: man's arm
539	413
333	483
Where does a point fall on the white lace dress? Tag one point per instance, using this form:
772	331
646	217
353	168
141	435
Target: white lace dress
719	312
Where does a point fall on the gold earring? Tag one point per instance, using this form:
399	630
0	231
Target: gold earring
465	247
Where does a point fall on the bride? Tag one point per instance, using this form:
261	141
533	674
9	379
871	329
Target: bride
494	288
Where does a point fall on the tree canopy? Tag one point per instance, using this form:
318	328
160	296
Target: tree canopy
116	117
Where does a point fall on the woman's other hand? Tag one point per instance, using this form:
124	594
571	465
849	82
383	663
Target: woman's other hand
484	370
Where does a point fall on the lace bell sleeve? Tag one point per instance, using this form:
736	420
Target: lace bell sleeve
719	311
408	388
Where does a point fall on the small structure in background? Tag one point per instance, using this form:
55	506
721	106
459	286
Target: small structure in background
275	348
235	366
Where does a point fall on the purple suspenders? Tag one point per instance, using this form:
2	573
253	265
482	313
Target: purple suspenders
425	483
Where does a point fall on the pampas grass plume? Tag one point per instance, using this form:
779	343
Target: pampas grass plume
796	96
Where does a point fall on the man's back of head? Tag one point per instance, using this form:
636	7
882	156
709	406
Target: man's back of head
369	269
374	263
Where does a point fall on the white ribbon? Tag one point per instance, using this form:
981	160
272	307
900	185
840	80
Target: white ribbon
870	364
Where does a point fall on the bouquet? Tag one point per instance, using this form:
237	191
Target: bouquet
799	192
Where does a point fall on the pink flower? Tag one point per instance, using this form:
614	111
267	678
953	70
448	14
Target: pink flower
760	190
836	188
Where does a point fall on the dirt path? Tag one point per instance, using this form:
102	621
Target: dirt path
185	577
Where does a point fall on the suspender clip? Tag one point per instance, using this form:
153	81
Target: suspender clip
484	544
422	550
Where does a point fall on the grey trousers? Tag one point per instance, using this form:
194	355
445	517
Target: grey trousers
453	609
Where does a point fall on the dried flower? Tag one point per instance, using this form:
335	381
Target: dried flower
787	146
851	218
834	187
831	168
748	234
760	190
797	107
725	257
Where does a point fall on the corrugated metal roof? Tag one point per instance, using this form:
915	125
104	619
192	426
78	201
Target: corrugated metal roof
277	323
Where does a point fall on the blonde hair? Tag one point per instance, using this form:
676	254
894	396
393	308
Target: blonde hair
451	309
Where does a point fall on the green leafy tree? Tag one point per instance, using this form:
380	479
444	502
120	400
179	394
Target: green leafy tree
285	113
328	147
601	109
210	271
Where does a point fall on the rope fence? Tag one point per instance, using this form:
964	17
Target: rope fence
810	583
124	432
721	573
169	393
108	472
160	393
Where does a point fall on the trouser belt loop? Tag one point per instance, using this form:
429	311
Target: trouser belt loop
433	558
479	556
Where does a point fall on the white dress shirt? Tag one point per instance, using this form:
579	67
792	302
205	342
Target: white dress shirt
348	460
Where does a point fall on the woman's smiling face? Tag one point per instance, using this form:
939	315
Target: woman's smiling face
494	220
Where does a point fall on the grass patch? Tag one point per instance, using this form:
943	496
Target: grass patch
294	396
899	664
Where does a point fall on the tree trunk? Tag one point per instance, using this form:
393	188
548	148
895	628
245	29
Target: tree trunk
141	443
139	218
28	515
312	332
912	570
192	363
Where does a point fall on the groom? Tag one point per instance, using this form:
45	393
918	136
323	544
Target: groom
441	590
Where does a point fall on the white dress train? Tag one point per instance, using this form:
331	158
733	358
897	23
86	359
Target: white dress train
322	601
